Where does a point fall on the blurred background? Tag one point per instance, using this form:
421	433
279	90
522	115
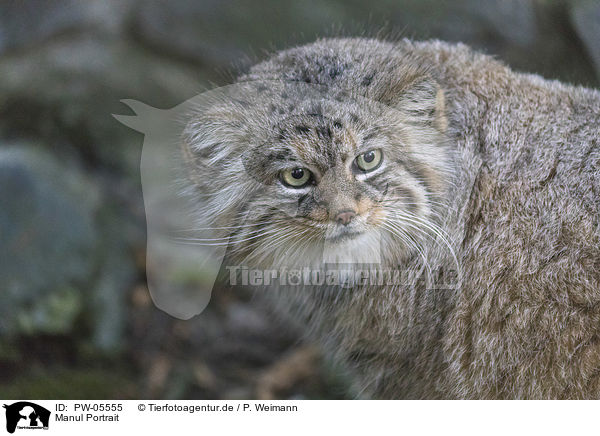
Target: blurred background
76	318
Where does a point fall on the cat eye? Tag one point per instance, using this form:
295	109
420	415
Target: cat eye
296	177
369	161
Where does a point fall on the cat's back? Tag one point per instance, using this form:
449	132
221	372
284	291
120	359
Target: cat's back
527	320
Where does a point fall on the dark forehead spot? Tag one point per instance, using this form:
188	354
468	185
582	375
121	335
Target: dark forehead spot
323	132
272	108
281	134
291	107
284	95
281	110
367	79
303	130
354	118
336	70
305	76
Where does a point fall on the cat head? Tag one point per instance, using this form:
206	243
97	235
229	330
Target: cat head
294	172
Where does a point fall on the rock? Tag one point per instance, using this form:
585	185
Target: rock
585	15
116	278
83	80
65	261
47	239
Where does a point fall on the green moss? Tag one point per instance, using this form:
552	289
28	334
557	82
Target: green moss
9	352
54	314
73	384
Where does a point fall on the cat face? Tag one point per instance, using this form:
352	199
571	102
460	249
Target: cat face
297	175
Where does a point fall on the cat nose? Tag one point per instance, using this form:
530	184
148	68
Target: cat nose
344	217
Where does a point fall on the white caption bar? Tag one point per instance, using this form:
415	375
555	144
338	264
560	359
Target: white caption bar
23	417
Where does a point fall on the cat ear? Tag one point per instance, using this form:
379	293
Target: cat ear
424	101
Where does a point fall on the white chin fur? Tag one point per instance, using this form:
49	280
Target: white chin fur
362	249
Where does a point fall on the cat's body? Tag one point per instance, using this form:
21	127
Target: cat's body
516	193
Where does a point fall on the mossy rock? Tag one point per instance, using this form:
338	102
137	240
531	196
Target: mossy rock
72	384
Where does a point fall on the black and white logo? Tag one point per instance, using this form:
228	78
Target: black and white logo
26	415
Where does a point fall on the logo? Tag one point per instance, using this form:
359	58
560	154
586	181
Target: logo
26	415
